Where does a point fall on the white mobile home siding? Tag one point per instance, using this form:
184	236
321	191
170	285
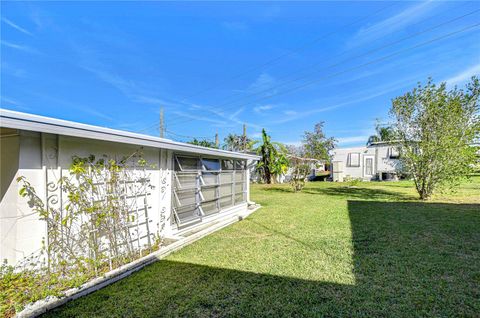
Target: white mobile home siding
382	161
31	148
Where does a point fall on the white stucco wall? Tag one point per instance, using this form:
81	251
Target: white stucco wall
43	158
21	232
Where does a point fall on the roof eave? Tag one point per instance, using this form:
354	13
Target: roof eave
24	121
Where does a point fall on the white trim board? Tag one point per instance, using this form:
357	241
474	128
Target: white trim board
24	121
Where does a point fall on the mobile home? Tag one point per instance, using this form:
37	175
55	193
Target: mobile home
189	186
377	161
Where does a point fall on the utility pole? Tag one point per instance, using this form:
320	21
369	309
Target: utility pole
244	138
162	123
216	140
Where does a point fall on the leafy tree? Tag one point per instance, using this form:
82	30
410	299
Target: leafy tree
300	171
297	151
316	144
383	133
436	128
203	143
234	142
273	158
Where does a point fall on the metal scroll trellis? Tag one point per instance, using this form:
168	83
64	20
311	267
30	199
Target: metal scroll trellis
98	212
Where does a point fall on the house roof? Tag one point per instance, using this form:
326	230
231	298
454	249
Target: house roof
305	159
30	122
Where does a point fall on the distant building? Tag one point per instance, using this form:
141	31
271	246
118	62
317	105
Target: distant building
377	161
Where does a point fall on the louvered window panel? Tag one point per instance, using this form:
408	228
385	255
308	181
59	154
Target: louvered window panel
186	180
210	178
209	208
206	186
226	177
226	202
209	194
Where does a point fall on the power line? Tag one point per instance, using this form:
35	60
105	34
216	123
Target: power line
359	66
299	49
148	127
187	136
348	59
179	119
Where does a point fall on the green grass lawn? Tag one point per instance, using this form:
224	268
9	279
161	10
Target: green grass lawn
369	251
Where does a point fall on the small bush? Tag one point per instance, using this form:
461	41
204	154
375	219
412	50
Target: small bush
299	174
352	182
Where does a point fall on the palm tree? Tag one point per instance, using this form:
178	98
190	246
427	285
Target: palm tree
273	160
385	133
203	143
231	142
234	142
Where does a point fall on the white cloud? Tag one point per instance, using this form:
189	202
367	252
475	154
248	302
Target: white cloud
392	23
149	100
18	47
262	82
13	71
464	75
16	26
126	86
84	108
201	118
263	108
376	92
13	103
290	112
9	100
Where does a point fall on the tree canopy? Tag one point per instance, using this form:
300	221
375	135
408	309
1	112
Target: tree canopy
316	145
234	142
436	129
203	143
383	133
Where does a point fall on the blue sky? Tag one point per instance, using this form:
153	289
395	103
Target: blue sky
214	66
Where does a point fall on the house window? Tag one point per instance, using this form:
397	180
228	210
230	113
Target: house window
353	159
211	164
205	186
186	163
393	153
227	165
368	166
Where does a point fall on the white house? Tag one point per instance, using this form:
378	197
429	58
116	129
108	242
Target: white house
192	186
377	161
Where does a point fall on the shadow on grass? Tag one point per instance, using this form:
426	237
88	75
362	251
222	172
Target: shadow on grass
346	191
409	259
280	189
360	193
